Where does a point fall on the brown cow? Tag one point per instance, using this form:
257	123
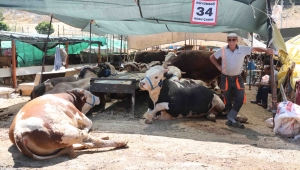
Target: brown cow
53	125
149	56
197	65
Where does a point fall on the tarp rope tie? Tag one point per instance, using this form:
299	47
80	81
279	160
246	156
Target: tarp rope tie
253	10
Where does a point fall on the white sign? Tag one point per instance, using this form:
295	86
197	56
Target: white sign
204	12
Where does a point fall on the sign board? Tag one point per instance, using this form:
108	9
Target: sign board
204	12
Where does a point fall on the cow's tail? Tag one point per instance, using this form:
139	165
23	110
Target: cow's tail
21	142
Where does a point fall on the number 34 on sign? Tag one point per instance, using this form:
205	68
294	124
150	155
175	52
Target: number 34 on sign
204	12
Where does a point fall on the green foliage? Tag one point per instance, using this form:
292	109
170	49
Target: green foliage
4	26
43	27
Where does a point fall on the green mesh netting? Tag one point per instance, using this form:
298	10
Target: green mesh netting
29	55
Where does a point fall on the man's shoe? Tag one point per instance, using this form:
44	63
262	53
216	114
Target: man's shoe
265	106
254	101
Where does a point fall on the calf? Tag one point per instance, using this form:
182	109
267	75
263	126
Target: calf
53	125
175	99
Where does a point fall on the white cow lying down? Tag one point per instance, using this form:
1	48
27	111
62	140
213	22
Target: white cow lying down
53	124
175	99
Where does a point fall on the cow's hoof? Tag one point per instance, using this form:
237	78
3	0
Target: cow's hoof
69	151
147	121
122	144
211	117
241	119
105	138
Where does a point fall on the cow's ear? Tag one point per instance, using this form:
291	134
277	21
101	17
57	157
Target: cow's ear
183	72
81	91
83	98
168	75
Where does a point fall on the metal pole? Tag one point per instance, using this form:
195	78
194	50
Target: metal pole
185	41
67	51
113	43
99	54
281	14
273	85
57	30
250	77
121	50
45	49
14	69
90	42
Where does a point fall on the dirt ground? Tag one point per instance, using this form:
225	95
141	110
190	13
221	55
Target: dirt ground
187	143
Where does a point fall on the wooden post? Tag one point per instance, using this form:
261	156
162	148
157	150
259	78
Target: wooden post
99	54
250	76
14	69
67	51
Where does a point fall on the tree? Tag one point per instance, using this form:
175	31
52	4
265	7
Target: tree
4	26
43	27
1	16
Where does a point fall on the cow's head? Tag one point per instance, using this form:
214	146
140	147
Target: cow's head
85	99
153	78
175	73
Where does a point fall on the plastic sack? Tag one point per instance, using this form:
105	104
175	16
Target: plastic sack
287	119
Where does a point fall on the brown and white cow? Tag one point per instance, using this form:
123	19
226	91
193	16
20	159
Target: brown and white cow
53	125
174	99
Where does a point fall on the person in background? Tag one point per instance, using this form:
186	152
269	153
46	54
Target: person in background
233	56
264	88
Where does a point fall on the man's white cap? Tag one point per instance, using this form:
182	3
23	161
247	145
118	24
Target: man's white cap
232	35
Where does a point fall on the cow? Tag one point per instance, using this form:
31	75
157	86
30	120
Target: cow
130	67
61	84
54	125
170	56
174	99
175	72
149	56
197	65
48	85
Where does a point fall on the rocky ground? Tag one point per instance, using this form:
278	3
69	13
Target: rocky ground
177	144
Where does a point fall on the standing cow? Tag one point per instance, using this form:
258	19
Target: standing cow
55	124
197	65
175	99
149	56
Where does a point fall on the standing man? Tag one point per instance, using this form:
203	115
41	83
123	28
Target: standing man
231	81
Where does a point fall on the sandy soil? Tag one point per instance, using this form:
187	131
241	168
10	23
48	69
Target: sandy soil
177	144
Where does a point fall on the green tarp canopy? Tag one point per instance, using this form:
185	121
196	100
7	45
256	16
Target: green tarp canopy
137	17
29	47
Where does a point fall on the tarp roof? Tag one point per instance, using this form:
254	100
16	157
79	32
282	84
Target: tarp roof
136	17
145	41
38	40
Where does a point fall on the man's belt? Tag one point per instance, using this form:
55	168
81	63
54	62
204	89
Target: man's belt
232	76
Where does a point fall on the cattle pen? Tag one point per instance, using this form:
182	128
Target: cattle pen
123	83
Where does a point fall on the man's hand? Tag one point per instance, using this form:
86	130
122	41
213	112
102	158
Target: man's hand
219	67
270	51
259	84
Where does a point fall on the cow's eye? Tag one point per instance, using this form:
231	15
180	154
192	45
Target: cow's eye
156	77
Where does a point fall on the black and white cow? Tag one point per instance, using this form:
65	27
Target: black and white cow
175	99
